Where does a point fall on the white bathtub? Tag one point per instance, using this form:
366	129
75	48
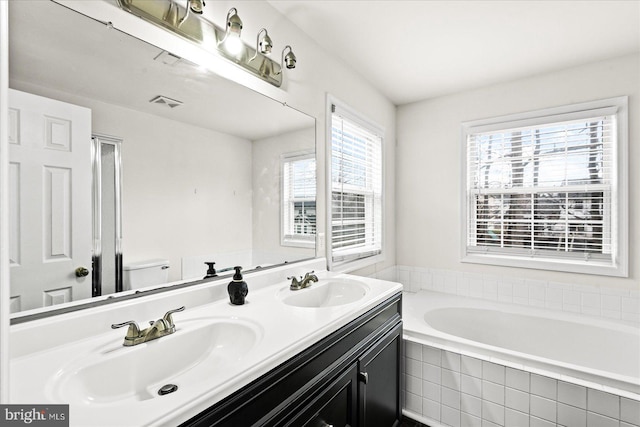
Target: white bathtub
591	352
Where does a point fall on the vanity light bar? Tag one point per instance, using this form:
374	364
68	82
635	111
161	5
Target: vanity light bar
224	42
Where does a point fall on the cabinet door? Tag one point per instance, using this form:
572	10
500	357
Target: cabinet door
379	382
335	406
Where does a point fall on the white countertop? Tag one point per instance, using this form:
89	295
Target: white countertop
282	331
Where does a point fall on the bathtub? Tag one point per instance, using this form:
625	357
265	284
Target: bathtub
590	356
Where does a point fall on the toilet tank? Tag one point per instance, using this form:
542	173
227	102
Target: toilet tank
141	274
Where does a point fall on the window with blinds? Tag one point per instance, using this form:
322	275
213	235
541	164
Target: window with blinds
545	191
356	188
299	200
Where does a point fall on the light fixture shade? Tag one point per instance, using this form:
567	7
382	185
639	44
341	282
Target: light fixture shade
234	23
265	44
289	59
231	41
196	6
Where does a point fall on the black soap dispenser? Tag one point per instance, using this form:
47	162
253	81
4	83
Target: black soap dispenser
237	288
211	272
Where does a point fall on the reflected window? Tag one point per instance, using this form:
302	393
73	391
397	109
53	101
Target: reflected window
299	199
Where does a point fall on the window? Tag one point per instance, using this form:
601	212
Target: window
299	199
548	189
356	188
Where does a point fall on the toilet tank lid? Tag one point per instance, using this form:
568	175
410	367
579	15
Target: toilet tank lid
145	264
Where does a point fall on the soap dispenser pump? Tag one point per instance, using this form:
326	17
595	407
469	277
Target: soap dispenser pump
237	288
211	271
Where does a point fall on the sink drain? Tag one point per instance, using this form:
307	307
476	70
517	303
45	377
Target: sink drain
166	389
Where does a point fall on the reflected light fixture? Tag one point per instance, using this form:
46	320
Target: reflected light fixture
231	41
263	45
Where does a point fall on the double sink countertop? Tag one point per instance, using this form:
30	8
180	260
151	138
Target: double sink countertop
217	349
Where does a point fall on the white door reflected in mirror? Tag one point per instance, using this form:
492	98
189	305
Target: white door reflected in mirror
50	201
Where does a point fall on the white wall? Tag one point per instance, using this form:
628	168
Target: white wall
267	208
429	162
175	176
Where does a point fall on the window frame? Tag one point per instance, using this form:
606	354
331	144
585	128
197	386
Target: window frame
293	239
618	265
349	265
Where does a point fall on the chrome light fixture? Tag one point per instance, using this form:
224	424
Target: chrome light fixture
224	42
231	41
171	16
196	6
289	60
263	45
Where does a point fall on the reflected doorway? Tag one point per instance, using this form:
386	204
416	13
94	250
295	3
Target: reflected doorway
107	215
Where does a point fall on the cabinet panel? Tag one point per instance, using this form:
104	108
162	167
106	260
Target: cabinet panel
379	385
335	406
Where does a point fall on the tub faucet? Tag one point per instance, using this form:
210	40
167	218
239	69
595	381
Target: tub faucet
157	329
304	283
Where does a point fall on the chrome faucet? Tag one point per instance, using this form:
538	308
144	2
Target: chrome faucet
159	328
303	283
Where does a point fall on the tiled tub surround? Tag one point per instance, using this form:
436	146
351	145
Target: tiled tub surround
444	388
454	381
598	301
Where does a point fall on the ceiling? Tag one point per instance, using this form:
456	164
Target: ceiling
414	50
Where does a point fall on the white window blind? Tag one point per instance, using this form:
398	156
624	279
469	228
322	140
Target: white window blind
545	191
299	199
356	188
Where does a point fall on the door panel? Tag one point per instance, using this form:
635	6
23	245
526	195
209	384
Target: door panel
50	200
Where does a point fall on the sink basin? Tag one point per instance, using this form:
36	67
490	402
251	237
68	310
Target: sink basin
199	350
326	293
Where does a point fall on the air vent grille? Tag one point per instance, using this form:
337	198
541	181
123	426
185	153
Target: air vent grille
165	100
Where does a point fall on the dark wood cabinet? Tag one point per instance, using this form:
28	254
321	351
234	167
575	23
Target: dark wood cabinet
379	388
335	406
350	378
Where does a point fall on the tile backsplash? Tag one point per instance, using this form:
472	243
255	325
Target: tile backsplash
615	304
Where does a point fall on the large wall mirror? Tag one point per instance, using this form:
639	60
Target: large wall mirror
122	154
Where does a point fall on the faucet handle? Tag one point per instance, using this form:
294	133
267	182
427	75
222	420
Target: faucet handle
132	332
169	319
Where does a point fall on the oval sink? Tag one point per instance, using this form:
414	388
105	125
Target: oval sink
201	348
326	293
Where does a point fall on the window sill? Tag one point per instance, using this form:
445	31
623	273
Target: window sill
298	243
350	266
599	268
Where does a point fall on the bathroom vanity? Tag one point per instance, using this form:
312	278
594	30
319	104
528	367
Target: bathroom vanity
325	355
349	378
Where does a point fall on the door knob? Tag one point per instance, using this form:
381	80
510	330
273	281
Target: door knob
363	377
81	272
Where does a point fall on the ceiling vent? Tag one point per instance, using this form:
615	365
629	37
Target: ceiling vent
165	100
167	58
